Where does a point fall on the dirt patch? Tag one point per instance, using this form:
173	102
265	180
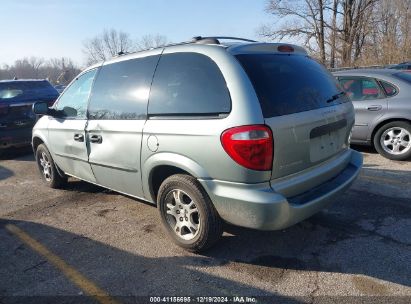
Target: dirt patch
368	286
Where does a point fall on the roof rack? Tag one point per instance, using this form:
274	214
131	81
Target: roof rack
196	39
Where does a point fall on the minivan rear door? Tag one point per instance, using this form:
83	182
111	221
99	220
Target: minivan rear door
301	102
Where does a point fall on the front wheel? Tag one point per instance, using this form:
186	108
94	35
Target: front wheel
48	169
393	140
188	214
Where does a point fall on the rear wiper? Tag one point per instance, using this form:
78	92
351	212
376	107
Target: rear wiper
334	97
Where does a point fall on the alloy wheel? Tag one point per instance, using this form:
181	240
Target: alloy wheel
182	215
396	140
46	166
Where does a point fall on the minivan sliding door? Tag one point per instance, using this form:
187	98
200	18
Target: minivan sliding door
117	114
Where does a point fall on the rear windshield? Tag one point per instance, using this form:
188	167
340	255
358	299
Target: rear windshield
17	91
404	76
287	84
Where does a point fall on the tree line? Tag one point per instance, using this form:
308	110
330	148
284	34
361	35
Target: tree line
103	46
56	70
336	32
344	32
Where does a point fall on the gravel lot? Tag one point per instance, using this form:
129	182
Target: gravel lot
361	246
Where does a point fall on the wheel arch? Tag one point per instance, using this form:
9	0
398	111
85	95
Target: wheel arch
162	165
36	141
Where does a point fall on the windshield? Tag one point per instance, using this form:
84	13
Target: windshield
287	84
17	91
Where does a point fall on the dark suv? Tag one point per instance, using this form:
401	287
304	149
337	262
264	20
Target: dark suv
16	116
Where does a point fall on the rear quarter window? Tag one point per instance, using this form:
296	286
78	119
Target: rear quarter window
287	84
389	89
188	84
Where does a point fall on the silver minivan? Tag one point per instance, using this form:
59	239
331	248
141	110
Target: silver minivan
253	134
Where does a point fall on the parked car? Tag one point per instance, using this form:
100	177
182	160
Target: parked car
16	116
254	134
402	66
382	102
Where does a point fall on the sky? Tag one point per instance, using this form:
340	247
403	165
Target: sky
47	28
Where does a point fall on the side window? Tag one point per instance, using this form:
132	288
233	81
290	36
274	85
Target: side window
74	100
390	89
188	83
361	88
121	89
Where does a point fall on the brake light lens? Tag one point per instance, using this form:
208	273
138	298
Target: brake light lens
285	48
250	146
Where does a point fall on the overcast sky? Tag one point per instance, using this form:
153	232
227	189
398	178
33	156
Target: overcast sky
46	28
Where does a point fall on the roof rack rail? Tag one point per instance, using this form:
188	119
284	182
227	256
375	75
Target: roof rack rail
216	39
196	39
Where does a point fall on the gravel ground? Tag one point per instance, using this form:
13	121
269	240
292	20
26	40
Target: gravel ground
357	250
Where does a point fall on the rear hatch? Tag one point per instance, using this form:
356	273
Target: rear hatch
17	98
303	105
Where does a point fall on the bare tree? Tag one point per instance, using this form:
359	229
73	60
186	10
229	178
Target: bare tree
345	32
301	20
333	35
106	45
355	13
151	41
61	70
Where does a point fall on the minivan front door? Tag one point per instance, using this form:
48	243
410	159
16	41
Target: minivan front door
117	114
67	137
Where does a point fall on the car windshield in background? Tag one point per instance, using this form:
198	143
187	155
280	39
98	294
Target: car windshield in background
287	84
17	91
404	76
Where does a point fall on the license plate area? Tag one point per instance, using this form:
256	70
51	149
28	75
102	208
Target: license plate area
327	140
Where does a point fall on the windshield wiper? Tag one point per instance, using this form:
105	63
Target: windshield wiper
334	97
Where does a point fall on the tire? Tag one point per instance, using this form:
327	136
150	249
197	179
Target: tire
393	140
188	214
48	169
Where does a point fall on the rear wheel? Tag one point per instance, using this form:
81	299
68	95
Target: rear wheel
48	169
188	214
393	140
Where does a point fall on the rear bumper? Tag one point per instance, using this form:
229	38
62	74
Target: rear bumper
15	138
258	206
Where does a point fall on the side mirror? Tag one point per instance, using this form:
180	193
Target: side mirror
41	108
69	112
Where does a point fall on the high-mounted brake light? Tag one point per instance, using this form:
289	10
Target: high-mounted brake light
250	146
285	48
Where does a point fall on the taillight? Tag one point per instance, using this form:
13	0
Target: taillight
4	108
250	146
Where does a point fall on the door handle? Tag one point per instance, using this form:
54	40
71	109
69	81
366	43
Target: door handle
97	139
374	108
79	137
